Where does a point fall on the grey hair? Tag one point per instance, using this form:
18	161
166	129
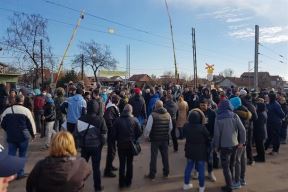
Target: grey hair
128	109
158	104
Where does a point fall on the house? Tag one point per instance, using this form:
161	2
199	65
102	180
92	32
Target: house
227	82
10	79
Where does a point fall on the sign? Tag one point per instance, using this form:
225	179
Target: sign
104	73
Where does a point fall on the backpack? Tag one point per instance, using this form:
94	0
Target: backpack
39	103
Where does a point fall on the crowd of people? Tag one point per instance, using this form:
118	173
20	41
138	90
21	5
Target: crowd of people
220	128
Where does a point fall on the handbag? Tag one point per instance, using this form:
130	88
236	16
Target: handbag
136	148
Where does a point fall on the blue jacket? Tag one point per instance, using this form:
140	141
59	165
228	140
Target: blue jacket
151	104
275	113
75	107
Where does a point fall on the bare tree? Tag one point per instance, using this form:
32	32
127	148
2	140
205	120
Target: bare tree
227	73
95	57
23	40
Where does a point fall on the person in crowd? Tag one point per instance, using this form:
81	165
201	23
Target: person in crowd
228	131
11	97
49	118
246	101
9	166
87	96
71	89
104	94
28	101
153	99
183	109
164	97
18	123
147	96
274	122
158	127
39	102
196	147
58	100
3	98
172	109
92	138
96	98
127	130
61	170
215	96
260	131
123	101
283	133
74	107
209	124
110	115
139	106
240	161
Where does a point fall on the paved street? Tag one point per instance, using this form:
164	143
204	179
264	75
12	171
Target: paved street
269	177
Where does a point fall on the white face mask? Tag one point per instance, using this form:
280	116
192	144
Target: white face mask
44	93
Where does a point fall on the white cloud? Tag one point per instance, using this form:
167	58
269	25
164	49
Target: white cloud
239	19
275	34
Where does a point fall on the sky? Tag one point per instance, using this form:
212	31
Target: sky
224	32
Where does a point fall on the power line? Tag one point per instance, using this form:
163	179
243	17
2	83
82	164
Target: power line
272	58
273	51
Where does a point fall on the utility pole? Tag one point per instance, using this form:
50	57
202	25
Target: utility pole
127	63
173	44
194	58
256	57
42	63
82	67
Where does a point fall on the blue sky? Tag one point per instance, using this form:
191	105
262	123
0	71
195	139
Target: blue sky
224	32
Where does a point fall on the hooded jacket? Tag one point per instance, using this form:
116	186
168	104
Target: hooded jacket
110	115
66	174
151	103
228	127
127	130
139	106
75	107
197	137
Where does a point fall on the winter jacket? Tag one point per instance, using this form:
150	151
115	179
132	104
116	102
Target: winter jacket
100	111
49	112
245	115
151	104
172	108
275	113
75	107
126	130
260	127
197	137
210	115
66	174
228	129
139	106
39	102
110	115
95	136
183	109
3	103
58	102
18	123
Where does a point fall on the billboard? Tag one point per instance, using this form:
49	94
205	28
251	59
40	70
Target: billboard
106	73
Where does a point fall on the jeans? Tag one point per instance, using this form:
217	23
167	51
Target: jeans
95	154
141	120
111	152
22	147
210	157
200	168
58	124
238	164
162	146
273	131
283	133
49	127
126	167
226	155
38	122
173	135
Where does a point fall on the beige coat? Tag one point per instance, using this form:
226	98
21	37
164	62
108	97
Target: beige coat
182	113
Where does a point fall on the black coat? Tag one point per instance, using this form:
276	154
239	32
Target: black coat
211	115
197	137
126	129
260	130
172	108
139	106
110	115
